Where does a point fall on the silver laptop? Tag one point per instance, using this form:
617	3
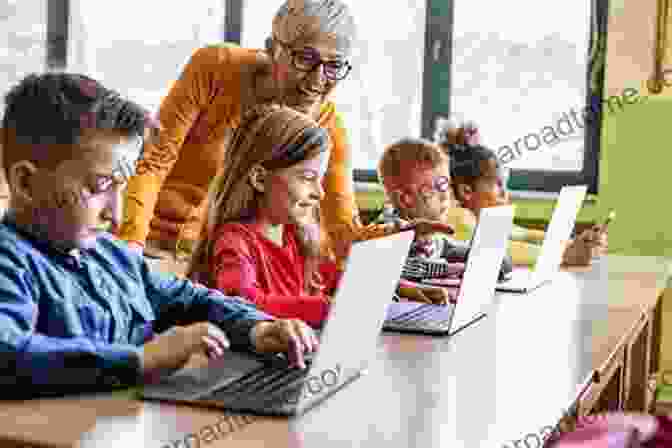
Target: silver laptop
477	287
559	230
267	385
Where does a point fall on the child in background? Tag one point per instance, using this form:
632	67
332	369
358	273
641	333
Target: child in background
479	181
449	132
262	235
416	176
79	311
456	218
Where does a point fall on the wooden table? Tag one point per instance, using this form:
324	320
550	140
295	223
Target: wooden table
501	380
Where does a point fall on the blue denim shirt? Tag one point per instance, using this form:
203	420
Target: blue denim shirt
72	323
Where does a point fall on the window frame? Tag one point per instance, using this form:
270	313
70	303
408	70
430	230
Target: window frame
436	102
56	42
435	84
58	34
549	181
67	48
233	28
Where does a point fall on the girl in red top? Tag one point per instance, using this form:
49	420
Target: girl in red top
262	236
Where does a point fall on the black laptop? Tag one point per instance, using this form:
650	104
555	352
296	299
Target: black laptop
267	385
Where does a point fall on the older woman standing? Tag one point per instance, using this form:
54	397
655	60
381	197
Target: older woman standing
305	59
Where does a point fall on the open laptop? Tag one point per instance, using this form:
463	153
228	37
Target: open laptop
266	384
559	230
477	288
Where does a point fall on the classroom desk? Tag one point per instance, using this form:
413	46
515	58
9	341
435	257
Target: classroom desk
501	380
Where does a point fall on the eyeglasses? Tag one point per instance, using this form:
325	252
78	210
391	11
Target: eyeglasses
440	184
308	60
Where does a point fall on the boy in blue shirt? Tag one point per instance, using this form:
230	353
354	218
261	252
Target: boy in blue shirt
78	310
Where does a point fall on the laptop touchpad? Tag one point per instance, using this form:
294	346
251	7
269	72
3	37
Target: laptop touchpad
397	309
194	382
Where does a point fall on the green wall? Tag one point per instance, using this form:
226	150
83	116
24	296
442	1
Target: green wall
636	177
635	164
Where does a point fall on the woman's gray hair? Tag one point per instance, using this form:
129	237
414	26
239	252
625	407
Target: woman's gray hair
301	20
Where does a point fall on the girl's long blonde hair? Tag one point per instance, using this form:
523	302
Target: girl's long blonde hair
274	137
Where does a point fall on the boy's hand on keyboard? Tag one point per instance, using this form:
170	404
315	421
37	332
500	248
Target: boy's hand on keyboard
171	350
290	336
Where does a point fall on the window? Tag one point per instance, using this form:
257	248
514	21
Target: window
381	98
257	18
140	47
23	50
526	79
519	75
23	39
533	84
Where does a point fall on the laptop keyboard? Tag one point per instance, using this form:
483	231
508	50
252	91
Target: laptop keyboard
424	316
266	380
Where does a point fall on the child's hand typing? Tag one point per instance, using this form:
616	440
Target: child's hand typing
290	336
431	295
171	350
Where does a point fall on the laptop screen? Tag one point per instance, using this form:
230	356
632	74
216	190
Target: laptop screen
488	248
350	334
559	229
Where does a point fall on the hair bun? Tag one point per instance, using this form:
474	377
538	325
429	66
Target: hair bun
447	131
458	150
444	128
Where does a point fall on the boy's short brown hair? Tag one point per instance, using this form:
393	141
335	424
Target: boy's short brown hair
408	154
48	115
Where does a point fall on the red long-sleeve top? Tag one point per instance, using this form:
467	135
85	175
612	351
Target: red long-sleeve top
248	264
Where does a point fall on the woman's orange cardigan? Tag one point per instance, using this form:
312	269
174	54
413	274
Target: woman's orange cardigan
166	198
